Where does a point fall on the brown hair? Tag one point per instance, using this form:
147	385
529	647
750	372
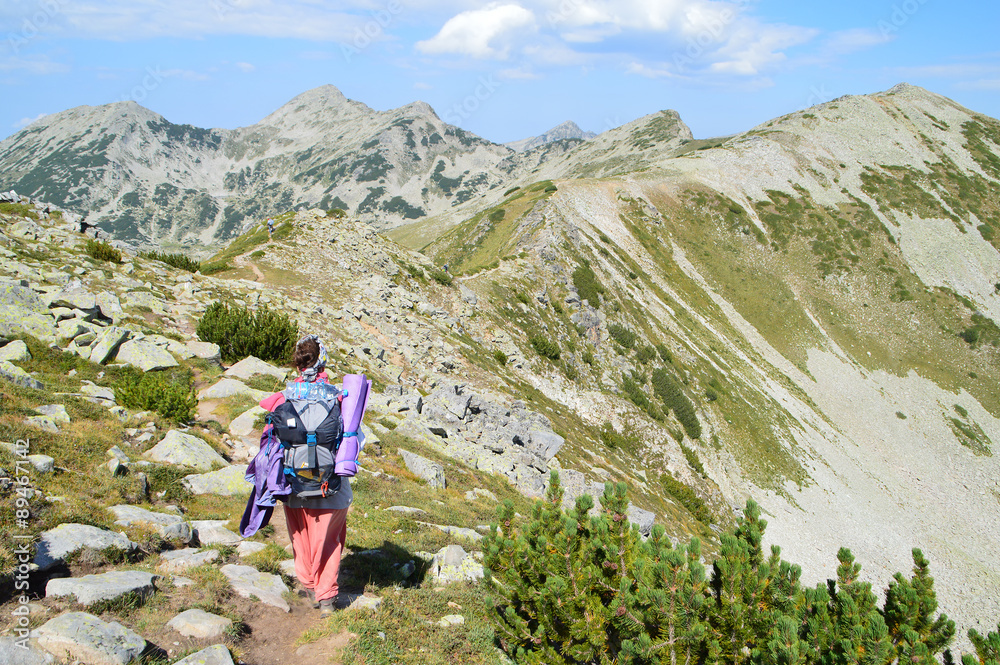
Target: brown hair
306	354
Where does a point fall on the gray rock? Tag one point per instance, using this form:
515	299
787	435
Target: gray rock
450	620
56	412
406	510
145	355
205	350
13	652
43	423
170	527
287	567
251	366
91	389
200	624
15	352
91	589
641	518
247	581
243	424
56	544
75	299
217	654
109	305
42	463
18	294
545	444
461	532
22	311
247	547
106	345
423	468
183	449
17	376
467	294
477	493
90	640
145	299
230	388
230	481
454	564
214	532
178	561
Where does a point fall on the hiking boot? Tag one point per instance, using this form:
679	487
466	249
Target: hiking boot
325	607
311	595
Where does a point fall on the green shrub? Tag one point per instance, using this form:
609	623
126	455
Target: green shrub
500	356
669	390
216	267
102	251
511	190
645	354
686	496
588	287
664	352
550	189
987	232
497	215
240	332
176	260
571	372
19	209
170	394
691	455
569	588
622	335
544	346
587	357
256	254
336	213
616	440
711	395
441	277
604	238
522	298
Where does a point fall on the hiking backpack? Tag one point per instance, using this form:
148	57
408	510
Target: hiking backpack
310	426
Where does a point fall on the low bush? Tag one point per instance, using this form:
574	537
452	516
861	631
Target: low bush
687	498
102	251
176	260
669	390
169	394
587	357
645	354
500	356
240	332
691	455
511	190
336	213
19	209
256	254
622	335
216	267
588	287
497	215
616	440
522	298
441	277
544	346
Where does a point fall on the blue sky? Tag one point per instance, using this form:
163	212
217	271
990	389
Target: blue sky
505	70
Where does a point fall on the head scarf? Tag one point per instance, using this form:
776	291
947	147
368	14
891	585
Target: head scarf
310	373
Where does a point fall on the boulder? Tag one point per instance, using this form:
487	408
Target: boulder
450	620
55	544
22	311
17	376
110	306
145	355
15	352
544	443
205	350
454	564
91	589
406	510
230	481
200	624
169	526
468	296
97	392
145	300
423	468
217	654
75	299
57	412
243	424
14	652
459	531
641	518
178	561
229	388
183	449
42	463
43	423
88	639
248	547
247	581
251	366
214	532
106	345
19	294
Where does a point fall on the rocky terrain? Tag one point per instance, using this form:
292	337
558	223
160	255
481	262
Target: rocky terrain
792	314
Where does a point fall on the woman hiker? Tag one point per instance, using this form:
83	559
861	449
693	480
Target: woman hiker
317	525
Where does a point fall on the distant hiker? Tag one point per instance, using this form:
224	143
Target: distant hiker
446	267
270	228
316	501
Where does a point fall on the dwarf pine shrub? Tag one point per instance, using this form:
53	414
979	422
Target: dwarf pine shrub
240	332
570	588
176	260
544	346
102	251
588	287
669	390
622	335
169	394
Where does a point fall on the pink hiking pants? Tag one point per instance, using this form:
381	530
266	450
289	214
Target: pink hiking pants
318	537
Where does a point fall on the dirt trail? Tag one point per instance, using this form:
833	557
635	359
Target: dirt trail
243	262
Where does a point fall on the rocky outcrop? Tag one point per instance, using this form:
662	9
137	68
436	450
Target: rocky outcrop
88	639
55	544
183	449
91	589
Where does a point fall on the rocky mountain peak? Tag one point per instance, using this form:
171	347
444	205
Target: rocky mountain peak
565	130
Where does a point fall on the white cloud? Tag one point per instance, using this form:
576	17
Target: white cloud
752	49
649	72
481	33
35	65
184	74
245	67
852	41
420	85
518	74
981	84
24	122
